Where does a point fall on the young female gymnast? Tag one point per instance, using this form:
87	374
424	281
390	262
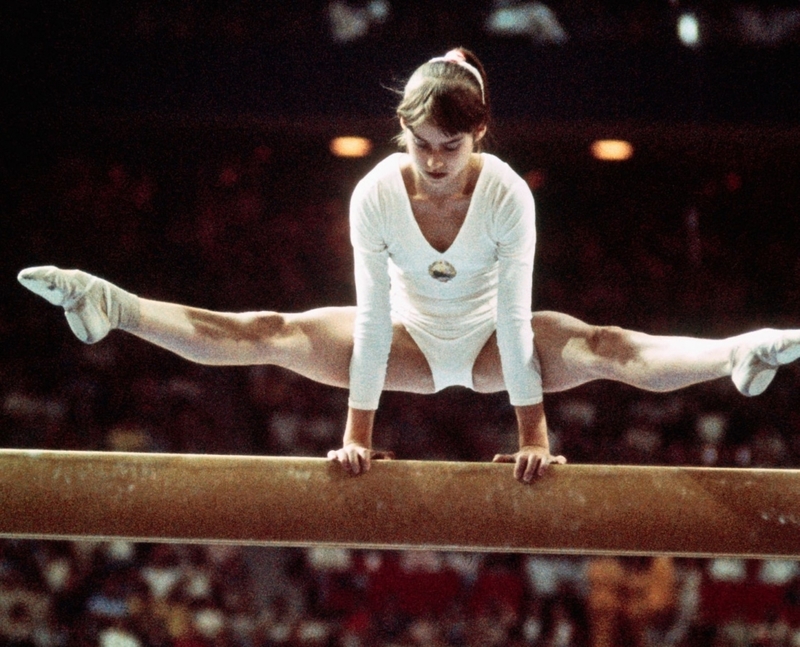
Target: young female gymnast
443	238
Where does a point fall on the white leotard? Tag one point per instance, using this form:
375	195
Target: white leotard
450	301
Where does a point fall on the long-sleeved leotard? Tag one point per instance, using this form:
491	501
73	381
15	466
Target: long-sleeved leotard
450	302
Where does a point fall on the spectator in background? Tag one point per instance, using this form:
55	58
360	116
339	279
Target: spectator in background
629	599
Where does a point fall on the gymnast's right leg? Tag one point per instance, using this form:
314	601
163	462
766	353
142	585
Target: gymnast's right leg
316	344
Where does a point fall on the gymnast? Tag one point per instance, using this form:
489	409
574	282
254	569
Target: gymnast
443	237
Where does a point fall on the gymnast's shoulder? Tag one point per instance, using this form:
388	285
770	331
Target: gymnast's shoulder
385	179
498	172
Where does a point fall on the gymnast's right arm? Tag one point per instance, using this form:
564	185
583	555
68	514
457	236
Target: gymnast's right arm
372	331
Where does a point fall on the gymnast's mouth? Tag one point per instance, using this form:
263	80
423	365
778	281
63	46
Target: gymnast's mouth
435	175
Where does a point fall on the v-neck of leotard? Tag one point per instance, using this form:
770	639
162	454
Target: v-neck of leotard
460	234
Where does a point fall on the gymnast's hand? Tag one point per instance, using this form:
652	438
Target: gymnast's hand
530	461
356	458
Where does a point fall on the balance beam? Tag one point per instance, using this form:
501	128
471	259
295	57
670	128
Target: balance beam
583	509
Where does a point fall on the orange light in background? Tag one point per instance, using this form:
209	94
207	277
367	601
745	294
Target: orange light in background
351	146
612	150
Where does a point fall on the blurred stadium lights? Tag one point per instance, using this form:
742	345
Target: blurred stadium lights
349	24
766	25
532	19
689	30
612	150
351	146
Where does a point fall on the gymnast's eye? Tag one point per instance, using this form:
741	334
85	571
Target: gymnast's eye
448	147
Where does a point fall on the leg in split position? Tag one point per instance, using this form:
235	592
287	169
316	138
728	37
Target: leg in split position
318	343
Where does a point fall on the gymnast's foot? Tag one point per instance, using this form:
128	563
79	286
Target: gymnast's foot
92	306
757	358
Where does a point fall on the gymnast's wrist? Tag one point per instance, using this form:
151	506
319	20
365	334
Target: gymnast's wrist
532	426
350	444
534	448
358	430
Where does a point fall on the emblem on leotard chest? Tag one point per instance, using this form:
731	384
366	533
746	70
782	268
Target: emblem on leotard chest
442	271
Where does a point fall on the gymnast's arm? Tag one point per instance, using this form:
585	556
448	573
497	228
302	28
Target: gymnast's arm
372	331
516	235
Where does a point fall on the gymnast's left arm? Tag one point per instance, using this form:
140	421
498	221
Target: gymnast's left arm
516	243
534	446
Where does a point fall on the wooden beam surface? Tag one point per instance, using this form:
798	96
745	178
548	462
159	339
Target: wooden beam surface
584	509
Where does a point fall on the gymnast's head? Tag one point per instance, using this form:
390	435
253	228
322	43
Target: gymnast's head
449	92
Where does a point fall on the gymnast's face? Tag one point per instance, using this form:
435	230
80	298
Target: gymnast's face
440	161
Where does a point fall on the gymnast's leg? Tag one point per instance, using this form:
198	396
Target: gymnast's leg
572	353
316	344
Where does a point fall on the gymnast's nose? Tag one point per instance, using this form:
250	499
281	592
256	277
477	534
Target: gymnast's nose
434	162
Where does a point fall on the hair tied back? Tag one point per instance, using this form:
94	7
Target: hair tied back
457	57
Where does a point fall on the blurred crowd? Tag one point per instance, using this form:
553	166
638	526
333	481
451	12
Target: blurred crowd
240	221
554	22
120	594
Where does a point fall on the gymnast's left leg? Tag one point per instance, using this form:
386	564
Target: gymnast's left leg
572	353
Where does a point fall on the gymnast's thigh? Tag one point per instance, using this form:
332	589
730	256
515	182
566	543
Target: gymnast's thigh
562	344
408	368
321	344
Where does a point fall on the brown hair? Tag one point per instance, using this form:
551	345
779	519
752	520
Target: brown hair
448	95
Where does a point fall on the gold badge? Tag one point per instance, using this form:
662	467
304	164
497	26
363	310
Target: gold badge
442	271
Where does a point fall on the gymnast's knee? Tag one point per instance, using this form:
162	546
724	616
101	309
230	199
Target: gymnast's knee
266	326
611	343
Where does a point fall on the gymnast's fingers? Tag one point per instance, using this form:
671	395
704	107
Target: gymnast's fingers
528	466
341	457
504	458
361	460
